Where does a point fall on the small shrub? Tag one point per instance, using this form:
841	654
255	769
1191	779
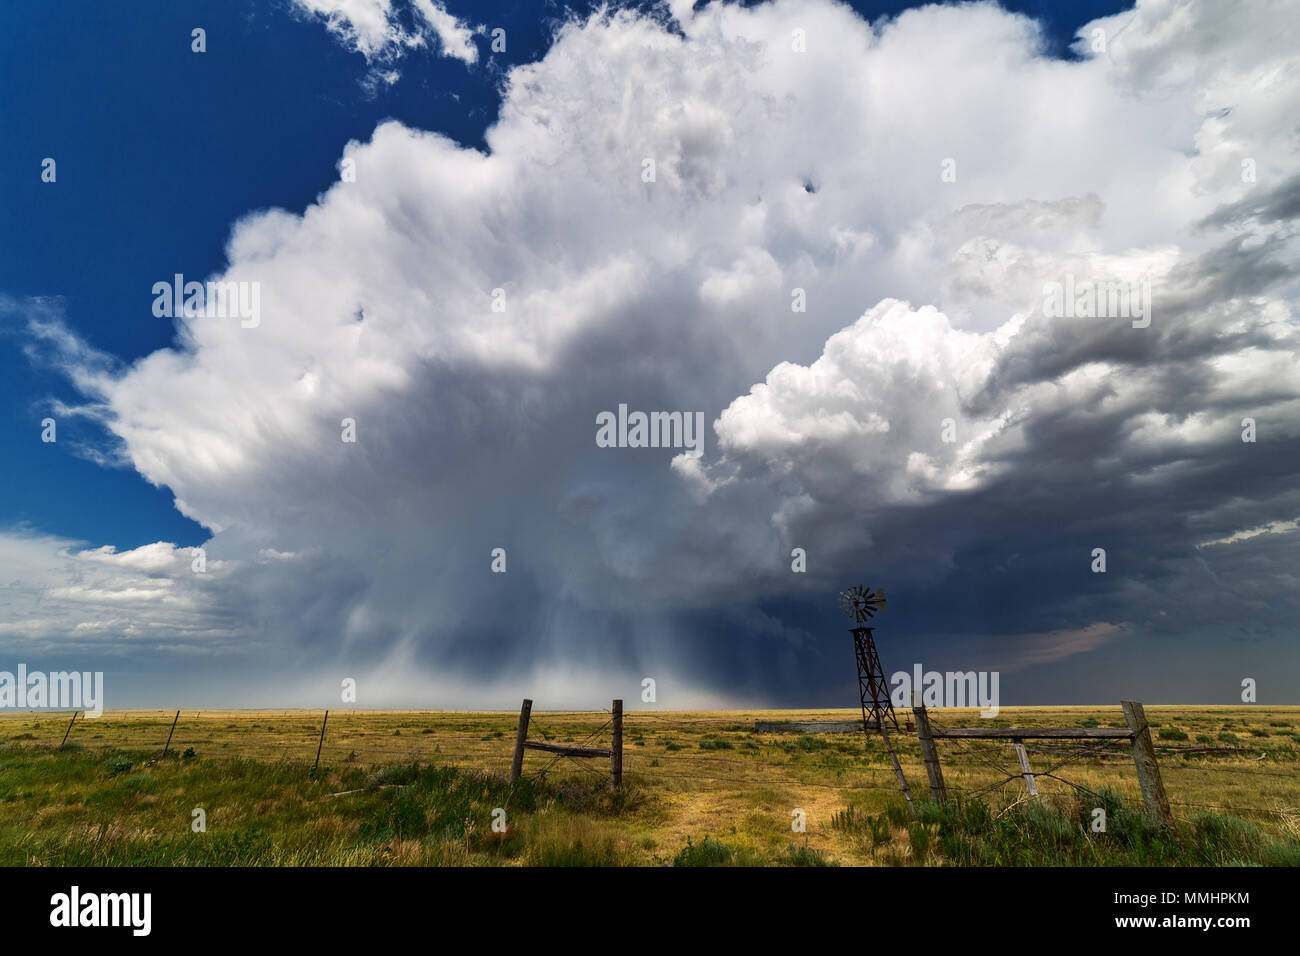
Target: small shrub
920	835
897	814
394	776
847	820
804	856
708	852
118	764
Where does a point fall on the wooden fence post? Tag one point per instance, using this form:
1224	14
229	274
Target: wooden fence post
1024	767
928	750
322	741
517	765
170	732
69	730
616	746
1144	758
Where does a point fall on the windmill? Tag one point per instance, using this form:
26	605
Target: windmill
860	604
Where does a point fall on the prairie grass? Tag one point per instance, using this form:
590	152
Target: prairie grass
700	789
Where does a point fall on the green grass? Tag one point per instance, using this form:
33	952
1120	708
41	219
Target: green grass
133	810
706	789
1031	833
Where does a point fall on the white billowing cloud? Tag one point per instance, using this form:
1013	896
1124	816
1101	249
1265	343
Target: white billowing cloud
870	380
774	170
454	36
362	24
159	556
373	28
59	596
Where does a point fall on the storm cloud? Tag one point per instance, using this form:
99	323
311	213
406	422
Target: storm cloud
921	425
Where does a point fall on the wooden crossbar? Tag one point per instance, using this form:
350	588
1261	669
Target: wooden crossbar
1046	733
567	750
1137	733
614	751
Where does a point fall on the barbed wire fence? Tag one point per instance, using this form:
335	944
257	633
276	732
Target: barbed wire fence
995	755
353	738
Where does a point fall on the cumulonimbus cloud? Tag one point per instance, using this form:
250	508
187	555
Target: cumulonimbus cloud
917	181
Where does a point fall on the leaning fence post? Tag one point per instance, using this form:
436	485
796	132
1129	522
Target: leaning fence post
1144	758
170	732
1025	772
898	767
616	745
929	752
322	741
517	765
69	730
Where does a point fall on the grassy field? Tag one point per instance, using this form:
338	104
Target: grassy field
701	788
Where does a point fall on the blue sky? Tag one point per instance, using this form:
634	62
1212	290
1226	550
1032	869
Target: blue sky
161	150
149	184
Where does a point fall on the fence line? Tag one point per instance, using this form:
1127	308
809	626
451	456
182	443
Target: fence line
349	737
